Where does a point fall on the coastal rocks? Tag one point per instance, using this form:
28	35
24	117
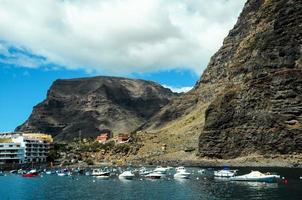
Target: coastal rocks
85	107
259	104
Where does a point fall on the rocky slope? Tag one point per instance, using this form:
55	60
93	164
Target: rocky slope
88	106
259	108
249	99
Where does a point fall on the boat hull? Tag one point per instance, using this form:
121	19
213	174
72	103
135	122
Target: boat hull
30	175
267	179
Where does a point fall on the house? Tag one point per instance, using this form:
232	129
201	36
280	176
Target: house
103	137
123	138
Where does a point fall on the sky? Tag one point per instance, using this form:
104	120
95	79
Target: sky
167	41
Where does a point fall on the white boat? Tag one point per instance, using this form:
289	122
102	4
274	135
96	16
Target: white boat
225	173
161	170
100	173
143	171
64	173
154	175
126	175
256	176
181	173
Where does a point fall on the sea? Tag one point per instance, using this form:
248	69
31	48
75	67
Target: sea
198	187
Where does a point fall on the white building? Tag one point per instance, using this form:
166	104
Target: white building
24	148
11	152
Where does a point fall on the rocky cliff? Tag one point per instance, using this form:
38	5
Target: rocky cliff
249	98
257	74
87	106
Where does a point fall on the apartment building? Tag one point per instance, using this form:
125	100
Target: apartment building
24	147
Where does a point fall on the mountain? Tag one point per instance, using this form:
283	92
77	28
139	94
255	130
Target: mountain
88	106
258	76
249	98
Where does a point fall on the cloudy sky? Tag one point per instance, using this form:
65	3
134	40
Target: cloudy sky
168	41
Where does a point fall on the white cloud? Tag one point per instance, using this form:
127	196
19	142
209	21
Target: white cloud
178	89
19	57
119	37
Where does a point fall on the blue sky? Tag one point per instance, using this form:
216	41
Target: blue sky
169	42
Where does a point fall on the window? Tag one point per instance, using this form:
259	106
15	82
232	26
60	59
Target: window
10	145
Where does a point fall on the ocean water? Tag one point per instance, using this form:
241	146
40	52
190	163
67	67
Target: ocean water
52	187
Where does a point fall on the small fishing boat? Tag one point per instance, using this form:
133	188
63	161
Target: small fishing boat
31	173
143	171
161	170
126	175
256	176
64	172
13	171
1	173
181	173
225	173
50	172
100	173
154	175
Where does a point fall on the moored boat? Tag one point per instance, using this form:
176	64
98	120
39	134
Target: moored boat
64	172
225	173
31	173
154	175
100	173
181	173
143	171
161	170
256	176
126	175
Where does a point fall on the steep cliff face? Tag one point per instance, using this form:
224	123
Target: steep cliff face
88	106
257	76
249	98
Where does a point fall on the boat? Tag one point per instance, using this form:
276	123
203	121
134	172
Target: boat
50	172
143	171
1	173
181	173
31	173
225	173
154	175
256	176
126	175
13	171
64	172
161	170
100	173
202	171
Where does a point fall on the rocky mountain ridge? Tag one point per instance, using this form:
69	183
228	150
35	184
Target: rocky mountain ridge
88	106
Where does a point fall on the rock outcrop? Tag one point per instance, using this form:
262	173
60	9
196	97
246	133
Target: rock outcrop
87	106
257	75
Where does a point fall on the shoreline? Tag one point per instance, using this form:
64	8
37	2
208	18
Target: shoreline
250	161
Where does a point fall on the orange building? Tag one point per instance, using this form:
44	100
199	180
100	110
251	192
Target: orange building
103	137
123	138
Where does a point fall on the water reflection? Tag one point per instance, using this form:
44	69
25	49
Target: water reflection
257	185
